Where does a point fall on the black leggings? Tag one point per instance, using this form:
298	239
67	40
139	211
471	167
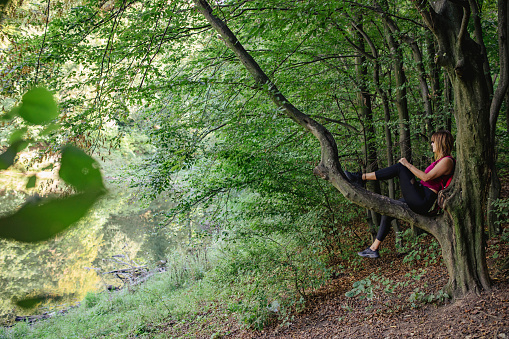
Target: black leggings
418	197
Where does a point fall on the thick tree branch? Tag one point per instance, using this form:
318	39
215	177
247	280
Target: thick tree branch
464	26
427	12
327	142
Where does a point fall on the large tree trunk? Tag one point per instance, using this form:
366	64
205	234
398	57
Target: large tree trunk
462	232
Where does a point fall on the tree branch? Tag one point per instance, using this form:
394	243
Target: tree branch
427	12
328	145
464	26
344	124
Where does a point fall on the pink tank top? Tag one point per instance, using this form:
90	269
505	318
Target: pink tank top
439	183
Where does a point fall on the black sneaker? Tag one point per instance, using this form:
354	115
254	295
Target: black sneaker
355	178
369	253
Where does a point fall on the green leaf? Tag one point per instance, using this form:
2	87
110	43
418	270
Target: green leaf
17	135
7	158
31	181
50	128
39	220
80	170
38	106
31	302
11	114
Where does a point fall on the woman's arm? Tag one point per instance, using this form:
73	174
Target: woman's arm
444	167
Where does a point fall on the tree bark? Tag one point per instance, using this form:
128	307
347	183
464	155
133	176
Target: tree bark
449	102
496	104
391	30
462	234
368	129
436	89
387	116
401	92
423	83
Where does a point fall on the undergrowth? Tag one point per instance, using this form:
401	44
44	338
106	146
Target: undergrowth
252	277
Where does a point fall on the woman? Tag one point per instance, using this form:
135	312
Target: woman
419	196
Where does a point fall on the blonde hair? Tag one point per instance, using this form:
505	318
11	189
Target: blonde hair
444	142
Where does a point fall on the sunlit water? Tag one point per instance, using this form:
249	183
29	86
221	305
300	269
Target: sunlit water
67	266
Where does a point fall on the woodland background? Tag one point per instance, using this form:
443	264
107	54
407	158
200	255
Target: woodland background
200	154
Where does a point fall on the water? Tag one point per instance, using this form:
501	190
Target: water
66	267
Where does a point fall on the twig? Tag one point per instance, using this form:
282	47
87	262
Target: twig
43	41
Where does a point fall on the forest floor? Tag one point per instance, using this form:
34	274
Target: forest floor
404	303
331	314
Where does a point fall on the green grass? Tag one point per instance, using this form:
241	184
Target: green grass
136	311
235	285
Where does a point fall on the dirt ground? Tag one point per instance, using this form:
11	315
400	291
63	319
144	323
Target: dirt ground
336	316
331	314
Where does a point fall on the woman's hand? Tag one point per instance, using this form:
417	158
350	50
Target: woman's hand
404	162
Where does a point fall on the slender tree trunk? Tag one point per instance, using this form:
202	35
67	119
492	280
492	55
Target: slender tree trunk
476	16
498	98
387	117
436	89
401	93
368	129
446	123
423	83
423	86
507	112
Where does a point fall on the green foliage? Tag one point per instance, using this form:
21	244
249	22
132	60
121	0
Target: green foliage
419	297
416	250
38	106
501	209
361	289
270	265
91	300
38	219
31	182
370	286
41	219
7	157
80	170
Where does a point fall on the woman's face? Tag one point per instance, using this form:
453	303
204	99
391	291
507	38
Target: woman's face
433	146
